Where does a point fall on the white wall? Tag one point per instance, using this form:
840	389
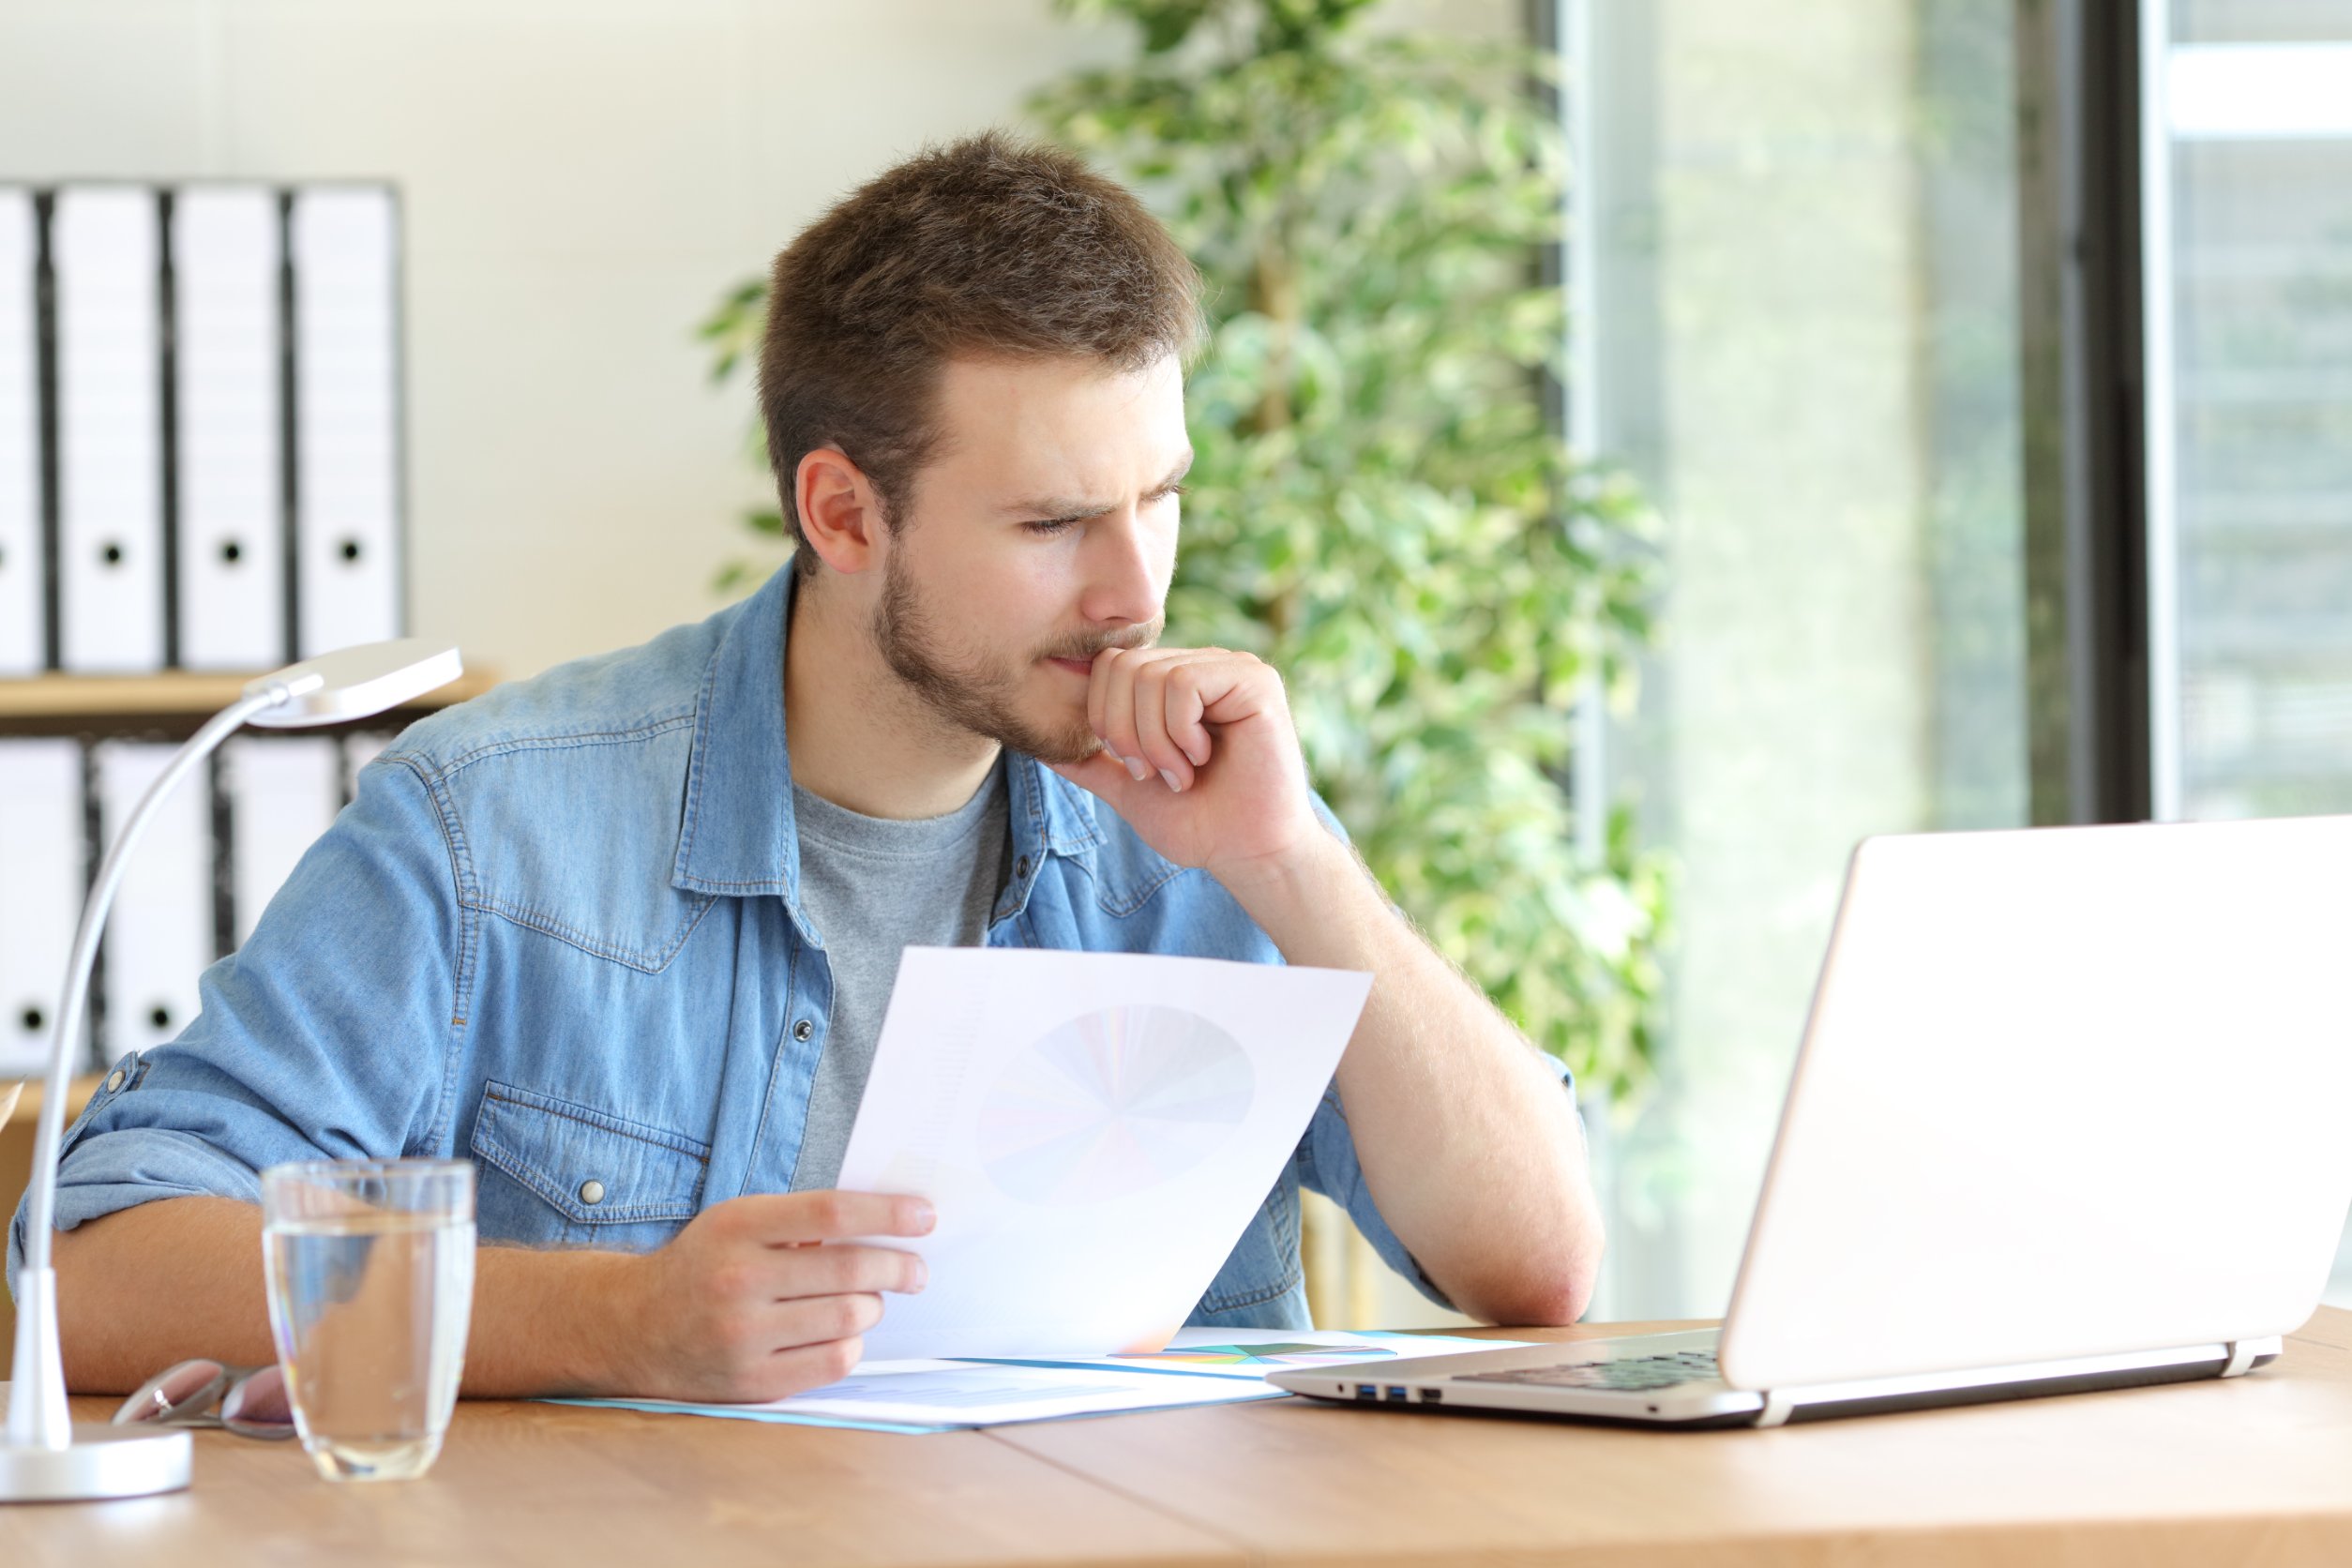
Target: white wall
581	178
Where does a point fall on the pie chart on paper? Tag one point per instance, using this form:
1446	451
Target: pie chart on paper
1111	1103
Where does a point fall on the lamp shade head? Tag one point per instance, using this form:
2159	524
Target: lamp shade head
355	683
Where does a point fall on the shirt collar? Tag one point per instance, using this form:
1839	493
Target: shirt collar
1057	815
737	836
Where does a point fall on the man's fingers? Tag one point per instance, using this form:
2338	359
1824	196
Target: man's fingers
1185	716
1127	704
1111	708
1155	744
1153	708
1097	689
797	1218
800	1368
1181	705
838	1268
818	1319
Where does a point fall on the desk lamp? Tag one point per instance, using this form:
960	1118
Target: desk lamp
44	1455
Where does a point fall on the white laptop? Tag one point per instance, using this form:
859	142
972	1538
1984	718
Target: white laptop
2071	1113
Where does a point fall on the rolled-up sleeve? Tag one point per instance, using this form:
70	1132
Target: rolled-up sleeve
329	1035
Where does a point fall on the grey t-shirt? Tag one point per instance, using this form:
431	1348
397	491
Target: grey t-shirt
872	888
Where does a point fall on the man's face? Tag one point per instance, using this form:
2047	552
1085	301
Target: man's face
1043	532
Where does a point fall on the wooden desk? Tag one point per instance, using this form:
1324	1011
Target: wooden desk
2257	1471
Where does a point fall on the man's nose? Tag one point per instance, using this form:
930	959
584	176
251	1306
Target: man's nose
1126	576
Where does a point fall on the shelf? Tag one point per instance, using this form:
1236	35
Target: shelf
171	694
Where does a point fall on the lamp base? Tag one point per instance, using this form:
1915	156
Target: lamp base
101	1462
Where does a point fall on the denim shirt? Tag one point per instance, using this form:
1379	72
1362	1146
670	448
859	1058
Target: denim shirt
558	930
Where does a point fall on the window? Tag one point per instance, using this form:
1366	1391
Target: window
1797	235
2247	152
2249	346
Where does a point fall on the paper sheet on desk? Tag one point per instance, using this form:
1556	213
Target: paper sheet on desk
1251	1356
1096	1130
956	1396
1197	1368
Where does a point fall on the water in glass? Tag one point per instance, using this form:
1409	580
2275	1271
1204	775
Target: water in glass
370	1307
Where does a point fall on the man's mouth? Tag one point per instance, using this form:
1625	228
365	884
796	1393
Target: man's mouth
1083	664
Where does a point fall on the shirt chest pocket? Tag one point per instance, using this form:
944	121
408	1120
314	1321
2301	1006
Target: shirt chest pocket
555	1171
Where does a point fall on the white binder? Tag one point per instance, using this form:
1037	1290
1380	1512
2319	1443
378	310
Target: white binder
282	794
43	873
160	937
105	250
23	553
231	543
345	241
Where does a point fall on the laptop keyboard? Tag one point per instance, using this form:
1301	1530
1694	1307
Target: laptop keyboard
1634	1374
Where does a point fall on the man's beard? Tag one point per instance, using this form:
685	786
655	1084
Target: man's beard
975	697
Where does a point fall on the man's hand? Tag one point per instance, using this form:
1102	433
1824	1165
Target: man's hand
761	1297
1199	757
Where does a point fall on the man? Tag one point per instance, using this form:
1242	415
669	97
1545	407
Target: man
622	934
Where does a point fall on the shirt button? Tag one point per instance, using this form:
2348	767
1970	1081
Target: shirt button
803	1029
591	1192
114	1081
1020	868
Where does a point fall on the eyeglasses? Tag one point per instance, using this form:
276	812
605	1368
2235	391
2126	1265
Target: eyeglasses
249	1401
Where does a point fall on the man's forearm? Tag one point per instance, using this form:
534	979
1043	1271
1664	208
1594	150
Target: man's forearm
143	1288
1468	1144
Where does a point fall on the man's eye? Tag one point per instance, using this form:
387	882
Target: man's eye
1050	526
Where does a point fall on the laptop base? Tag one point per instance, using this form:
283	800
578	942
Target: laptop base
1562	1382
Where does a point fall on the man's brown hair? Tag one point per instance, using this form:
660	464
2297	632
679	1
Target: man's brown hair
989	245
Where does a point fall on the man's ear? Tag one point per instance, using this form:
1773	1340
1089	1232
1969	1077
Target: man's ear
840	515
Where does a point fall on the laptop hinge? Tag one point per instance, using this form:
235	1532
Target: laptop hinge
2243	1351
1776	1409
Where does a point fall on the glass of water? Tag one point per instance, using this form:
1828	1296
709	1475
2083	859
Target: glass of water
369	1265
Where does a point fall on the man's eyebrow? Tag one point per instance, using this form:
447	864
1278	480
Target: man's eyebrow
1054	509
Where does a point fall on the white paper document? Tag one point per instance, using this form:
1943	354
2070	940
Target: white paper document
949	1396
1096	1130
1252	1355
1199	1366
